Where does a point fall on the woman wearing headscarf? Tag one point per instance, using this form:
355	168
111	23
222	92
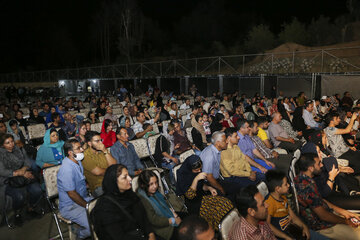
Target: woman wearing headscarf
163	219
119	212
51	152
216	124
192	184
14	163
107	134
335	182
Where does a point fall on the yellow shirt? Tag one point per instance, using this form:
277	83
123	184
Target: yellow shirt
262	134
91	161
279	212
234	163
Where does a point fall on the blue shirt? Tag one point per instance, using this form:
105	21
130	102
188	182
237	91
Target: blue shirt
69	178
309	119
210	157
246	145
126	156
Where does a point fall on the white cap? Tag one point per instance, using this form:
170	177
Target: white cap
323	97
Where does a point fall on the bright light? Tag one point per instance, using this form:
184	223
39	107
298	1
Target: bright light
61	83
94	80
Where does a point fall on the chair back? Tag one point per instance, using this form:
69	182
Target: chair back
50	180
293	188
152	143
36	131
96	127
89	207
297	155
188	134
185	155
135	182
227	222
141	147
263	189
155	128
174	170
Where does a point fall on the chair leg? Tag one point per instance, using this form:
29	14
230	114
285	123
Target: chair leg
58	226
6	218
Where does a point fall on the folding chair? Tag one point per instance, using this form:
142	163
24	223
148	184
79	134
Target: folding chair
89	207
96	127
52	194
36	131
151	142
141	148
188	134
185	155
263	189
227	222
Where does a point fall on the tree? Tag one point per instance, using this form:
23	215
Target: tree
323	32
259	39
131	29
294	32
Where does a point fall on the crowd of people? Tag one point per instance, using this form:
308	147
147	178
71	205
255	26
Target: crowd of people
237	142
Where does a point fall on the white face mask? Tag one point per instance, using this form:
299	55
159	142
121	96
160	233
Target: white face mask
79	156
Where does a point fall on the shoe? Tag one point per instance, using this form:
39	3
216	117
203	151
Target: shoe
18	221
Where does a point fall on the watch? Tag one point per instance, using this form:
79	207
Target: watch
333	181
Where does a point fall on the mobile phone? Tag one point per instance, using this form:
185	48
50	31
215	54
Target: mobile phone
1	115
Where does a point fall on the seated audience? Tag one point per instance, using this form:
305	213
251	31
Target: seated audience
109	115
96	160
281	161
197	136
257	160
279	137
140	120
234	165
80	135
163	219
309	117
180	139
317	212
216	124
58	124
69	126
263	124
282	220
3	128
129	129
73	195
101	110
93	118
14	130
228	120
51	152
164	150
107	135
193	185
15	163
124	153
195	228
337	143
253	210
35	117
120	212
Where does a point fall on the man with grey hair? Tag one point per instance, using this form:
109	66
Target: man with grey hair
211	156
279	137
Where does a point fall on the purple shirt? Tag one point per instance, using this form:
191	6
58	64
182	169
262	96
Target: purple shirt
246	145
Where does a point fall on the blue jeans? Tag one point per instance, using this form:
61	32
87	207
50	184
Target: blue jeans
317	236
262	163
77	214
169	166
18	195
234	183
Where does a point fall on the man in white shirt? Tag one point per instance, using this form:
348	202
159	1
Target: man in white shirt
185	105
309	117
174	112
138	126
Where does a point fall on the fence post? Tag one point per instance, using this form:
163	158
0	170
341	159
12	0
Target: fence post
243	65
272	63
219	65
221	83
293	62
262	83
186	84
196	67
158	82
322	60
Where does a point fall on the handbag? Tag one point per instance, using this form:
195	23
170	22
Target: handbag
136	234
18	181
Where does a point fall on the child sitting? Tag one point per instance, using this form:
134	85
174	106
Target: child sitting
282	220
148	134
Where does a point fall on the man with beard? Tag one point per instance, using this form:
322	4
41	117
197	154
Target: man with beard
253	210
317	212
96	160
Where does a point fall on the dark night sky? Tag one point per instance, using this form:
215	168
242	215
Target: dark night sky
45	34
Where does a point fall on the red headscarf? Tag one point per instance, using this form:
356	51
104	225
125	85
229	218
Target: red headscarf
109	138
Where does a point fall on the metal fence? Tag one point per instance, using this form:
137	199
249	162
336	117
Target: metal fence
331	60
